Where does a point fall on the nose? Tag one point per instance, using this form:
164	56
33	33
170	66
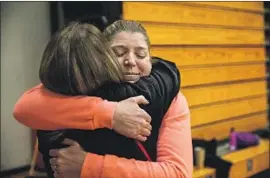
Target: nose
130	60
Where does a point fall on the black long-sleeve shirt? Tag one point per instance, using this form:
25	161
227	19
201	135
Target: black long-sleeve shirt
159	89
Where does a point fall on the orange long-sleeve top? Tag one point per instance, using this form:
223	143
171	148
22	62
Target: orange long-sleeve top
39	107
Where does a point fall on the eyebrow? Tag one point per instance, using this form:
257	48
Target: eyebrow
118	46
141	48
123	46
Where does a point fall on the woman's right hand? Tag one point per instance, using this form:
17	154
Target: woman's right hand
132	121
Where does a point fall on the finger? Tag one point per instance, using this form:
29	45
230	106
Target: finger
69	142
62	151
149	127
140	100
54	168
54	153
145	115
53	161
145	132
141	138
57	169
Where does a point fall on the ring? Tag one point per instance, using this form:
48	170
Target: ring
55	168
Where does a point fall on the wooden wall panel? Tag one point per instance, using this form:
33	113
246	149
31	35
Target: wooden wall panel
218	47
220	112
191	56
253	6
171	34
221	130
180	13
211	94
199	76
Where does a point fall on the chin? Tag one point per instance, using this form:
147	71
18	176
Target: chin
132	81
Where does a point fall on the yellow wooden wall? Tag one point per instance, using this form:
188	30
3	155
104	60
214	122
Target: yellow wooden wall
218	47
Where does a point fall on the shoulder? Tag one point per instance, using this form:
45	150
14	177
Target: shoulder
180	101
178	107
159	61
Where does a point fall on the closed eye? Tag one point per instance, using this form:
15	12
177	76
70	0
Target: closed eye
141	54
119	51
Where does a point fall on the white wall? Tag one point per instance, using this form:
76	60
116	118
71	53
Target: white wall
25	30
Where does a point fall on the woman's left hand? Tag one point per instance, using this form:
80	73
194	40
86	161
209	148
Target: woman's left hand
67	162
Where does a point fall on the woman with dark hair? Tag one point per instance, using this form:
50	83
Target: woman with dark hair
135	63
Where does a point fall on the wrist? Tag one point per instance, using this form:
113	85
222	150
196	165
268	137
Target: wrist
103	115
92	165
114	117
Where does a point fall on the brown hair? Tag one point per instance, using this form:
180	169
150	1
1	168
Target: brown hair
125	25
77	60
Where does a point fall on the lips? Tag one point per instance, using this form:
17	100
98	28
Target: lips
131	73
131	77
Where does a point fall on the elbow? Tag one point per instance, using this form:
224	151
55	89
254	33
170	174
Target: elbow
179	171
18	112
25	109
182	171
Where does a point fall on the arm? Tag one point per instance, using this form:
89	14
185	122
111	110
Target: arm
83	112
38	107
174	156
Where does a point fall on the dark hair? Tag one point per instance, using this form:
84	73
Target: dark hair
78	60
101	22
125	25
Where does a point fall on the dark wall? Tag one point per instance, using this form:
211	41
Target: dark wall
98	13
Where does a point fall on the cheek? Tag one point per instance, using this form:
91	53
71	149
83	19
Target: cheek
145	67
